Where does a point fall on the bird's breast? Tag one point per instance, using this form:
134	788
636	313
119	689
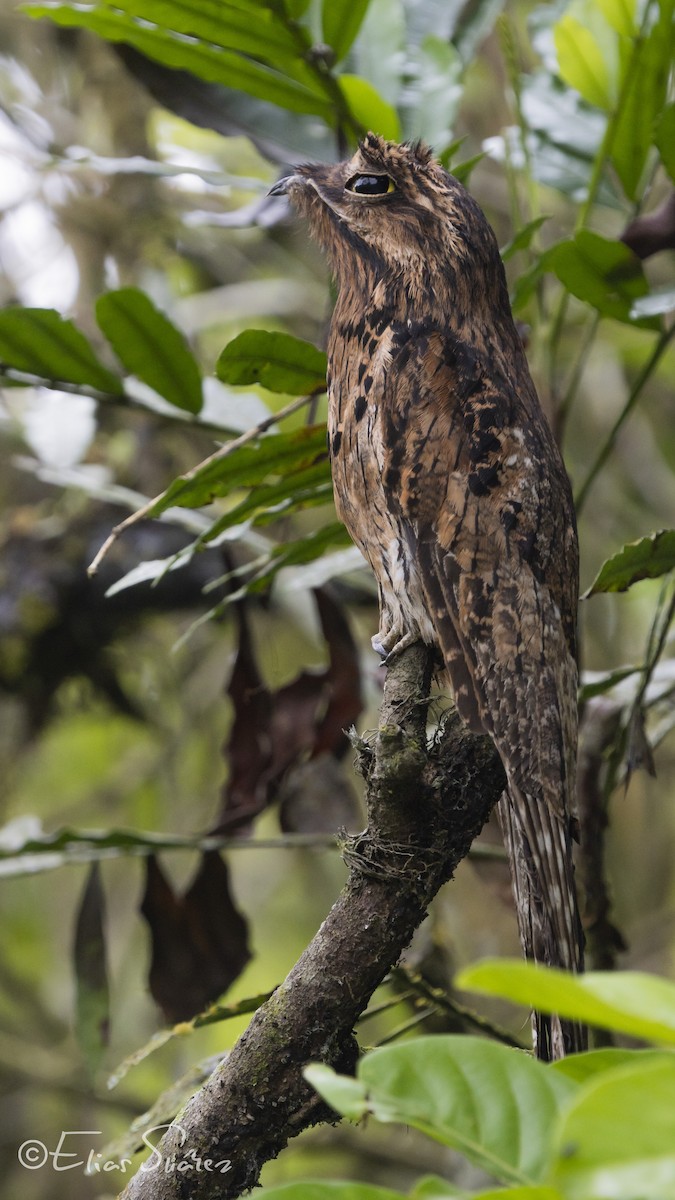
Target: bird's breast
360	456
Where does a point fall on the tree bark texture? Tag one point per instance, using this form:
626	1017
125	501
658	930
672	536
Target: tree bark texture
426	804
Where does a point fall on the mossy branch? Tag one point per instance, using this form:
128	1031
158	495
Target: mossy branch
426	804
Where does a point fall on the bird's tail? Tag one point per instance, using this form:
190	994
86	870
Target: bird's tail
539	846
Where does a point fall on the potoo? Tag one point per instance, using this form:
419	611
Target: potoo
449	480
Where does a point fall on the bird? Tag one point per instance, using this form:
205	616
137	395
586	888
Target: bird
448	478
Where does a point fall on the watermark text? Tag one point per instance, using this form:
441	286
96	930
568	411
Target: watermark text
74	1151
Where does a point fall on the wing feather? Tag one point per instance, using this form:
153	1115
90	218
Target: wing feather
486	505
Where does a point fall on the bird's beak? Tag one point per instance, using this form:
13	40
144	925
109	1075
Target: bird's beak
282	185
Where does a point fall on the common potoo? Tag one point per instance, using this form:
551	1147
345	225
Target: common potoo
448	478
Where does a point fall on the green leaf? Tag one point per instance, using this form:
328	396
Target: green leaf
431	1187
150	347
41	342
617	1139
462	170
340	23
278	361
273	455
272	501
604	273
627	1001
346	1095
495	1105
598	686
327	1190
583	1067
522	239
665	139
582	63
369	108
527	283
519	1193
620	14
93	1000
648	558
228	25
303	550
645	96
203	59
25	849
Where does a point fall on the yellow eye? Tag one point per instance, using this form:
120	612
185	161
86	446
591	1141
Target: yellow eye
371	185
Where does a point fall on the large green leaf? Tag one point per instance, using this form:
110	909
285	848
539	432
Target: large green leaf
207	61
273	455
340	23
495	1105
617	1139
604	273
648	558
432	1187
150	346
369	108
627	1001
41	342
582	63
224	23
537	1192
278	361
328	1190
584	1067
347	1096
620	14
646	89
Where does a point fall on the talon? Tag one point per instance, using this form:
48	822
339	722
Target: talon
402	644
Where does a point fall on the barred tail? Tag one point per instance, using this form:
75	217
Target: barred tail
539	847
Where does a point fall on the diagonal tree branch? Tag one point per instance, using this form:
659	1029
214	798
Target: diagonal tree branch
426	803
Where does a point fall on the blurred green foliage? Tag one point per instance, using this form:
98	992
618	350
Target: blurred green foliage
140	255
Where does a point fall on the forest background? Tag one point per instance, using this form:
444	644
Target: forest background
133	202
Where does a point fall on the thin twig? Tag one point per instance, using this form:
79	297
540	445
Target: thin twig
634	396
570	391
221	453
445	1003
122	399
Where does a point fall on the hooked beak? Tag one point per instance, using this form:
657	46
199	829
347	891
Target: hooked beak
285	186
281	187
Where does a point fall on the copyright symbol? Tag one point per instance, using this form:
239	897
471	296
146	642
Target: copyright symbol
32	1154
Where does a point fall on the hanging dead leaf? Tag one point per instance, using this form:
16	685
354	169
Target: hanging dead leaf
199	940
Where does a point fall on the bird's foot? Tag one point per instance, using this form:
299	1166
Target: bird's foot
392	643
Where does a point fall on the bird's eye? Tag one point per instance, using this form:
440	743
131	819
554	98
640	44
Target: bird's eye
371	185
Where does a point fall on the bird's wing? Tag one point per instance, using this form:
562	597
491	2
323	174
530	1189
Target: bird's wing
485	503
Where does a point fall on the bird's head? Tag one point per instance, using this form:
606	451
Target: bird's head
393	208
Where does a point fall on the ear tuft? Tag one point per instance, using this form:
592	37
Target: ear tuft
420	151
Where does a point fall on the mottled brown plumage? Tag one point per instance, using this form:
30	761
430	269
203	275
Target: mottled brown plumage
449	480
